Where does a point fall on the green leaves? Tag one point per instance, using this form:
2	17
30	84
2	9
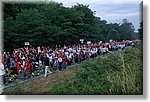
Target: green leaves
58	25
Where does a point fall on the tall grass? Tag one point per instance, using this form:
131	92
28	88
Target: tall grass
115	74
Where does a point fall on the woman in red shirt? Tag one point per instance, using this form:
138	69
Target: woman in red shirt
18	68
28	67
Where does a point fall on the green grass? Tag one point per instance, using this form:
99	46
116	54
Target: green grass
115	74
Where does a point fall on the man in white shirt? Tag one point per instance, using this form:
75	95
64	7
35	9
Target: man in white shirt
60	61
2	76
66	53
1	65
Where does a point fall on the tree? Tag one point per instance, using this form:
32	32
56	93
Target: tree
126	30
141	28
113	34
53	24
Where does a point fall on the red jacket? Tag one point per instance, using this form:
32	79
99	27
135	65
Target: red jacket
87	54
76	57
16	58
18	66
64	58
28	67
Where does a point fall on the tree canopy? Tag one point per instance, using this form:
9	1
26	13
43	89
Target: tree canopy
53	24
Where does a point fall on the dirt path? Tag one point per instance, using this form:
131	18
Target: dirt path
41	85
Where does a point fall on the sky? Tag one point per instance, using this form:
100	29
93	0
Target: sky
113	11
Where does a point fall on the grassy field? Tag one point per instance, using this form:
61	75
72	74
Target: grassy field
119	73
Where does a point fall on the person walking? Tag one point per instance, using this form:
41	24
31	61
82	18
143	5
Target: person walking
28	67
46	64
60	61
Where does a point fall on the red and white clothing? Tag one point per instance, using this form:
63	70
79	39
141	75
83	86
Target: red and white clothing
18	66
28	67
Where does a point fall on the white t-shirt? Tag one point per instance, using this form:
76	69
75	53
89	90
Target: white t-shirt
2	71
96	50
1	66
70	49
23	64
50	58
66	53
60	59
104	49
69	56
40	63
74	51
109	46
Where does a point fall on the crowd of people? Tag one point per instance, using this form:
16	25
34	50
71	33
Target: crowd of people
30	61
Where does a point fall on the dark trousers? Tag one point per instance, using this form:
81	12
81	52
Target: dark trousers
76	60
60	66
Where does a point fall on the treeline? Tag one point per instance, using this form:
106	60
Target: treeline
53	24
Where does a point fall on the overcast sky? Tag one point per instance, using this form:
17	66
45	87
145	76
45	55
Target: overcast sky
111	10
